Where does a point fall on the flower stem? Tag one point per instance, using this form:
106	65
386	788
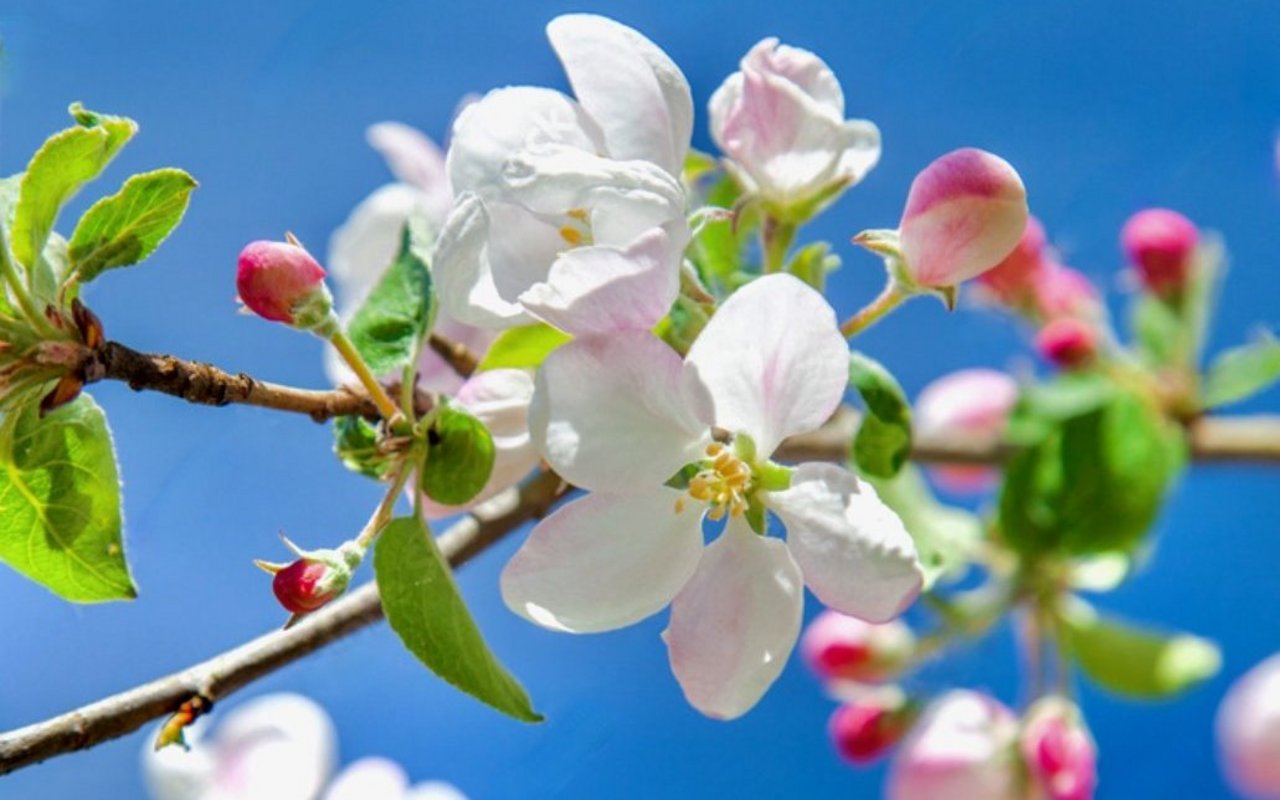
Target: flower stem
776	236
386	406
382	513
888	300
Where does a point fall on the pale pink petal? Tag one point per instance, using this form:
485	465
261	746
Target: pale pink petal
371	778
801	67
277	747
772	360
734	624
611	413
500	399
856	555
361	249
416	160
630	87
597	290
1248	731
464	279
961	748
604	561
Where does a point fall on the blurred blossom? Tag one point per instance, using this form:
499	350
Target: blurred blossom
1059	754
1067	342
974	404
1061	291
1161	245
780	120
962	748
1012	281
839	647
375	778
1248	730
865	729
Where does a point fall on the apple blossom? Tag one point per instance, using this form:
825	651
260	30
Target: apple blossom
1248	732
1012	280
974	404
1061	291
1058	751
281	282
867	728
839	647
276	747
315	577
1161	244
963	747
620	415
376	778
1067	342
571	211
780	121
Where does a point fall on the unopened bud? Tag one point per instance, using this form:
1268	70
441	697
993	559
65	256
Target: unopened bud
973	404
959	748
1067	343
315	578
1012	281
840	647
866	729
1161	245
281	282
1061	291
1059	753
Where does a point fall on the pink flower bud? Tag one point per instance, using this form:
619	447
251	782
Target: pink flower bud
1161	244
282	282
1248	731
1058	751
315	577
965	213
864	730
961	748
1012	281
974	404
1067	342
1061	291
840	647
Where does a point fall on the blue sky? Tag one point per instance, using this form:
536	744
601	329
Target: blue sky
1103	107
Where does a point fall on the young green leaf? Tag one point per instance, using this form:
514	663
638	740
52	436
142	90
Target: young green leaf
391	324
128	226
812	263
355	442
1134	661
1242	372
64	163
945	537
60	521
425	609
883	440
119	129
459	457
523	347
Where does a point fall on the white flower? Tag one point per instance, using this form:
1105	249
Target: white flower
571	211
963	747
620	415
781	122
375	778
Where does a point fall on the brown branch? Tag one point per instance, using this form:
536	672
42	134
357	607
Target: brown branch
455	354
221	675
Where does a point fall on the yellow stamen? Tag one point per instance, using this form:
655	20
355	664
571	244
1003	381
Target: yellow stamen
572	235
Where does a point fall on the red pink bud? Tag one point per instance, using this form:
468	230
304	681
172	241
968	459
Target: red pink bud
865	730
279	281
1059	754
1161	245
840	647
1067	342
1012	280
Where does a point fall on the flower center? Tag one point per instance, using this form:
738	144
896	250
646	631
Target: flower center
577	230
723	483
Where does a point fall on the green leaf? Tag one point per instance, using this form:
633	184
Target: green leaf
64	163
355	442
523	347
1134	661
425	609
1242	372
945	537
129	225
812	263
391	324
883	440
1159	330
119	129
459	457
60	521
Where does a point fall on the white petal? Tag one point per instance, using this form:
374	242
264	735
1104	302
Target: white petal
362	248
500	399
505	121
435	790
522	247
598	290
772	360
463	274
856	555
371	778
734	624
604	561
629	86
416	160
611	414
277	747
801	67
176	774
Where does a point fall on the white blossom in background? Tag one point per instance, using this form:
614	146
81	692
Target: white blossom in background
963	747
376	778
780	121
619	415
1248	730
571	211
973	404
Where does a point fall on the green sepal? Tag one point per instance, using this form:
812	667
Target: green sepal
459	457
355	442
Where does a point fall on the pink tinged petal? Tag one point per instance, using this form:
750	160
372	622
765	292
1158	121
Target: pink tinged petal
463	275
598	290
809	73
974	404
505	121
604	561
610	413
629	86
371	778
959	749
500	399
416	160
277	747
1248	731
965	212
772	361
856	555
734	624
